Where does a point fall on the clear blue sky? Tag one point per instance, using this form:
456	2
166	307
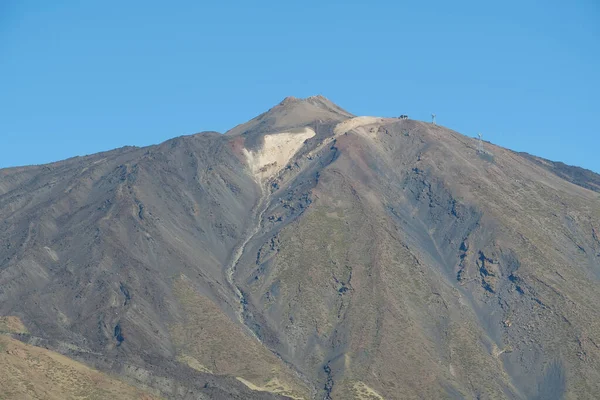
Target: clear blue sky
78	77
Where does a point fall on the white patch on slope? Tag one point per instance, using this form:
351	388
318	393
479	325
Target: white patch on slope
357	124
51	253
354	123
273	386
277	150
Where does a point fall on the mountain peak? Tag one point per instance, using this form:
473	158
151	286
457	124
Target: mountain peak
294	112
289	100
317	100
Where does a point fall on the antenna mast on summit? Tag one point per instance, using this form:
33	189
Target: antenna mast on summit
433	119
480	144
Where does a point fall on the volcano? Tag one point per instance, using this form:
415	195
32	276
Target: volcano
307	254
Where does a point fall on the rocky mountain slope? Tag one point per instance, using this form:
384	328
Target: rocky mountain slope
33	372
309	253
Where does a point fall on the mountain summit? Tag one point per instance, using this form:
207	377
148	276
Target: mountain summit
309	254
293	112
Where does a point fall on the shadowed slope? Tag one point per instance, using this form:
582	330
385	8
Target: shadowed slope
577	175
92	254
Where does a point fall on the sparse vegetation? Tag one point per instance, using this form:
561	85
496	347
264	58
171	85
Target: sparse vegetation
12	324
207	339
28	372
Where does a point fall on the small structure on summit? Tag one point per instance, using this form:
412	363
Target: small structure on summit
403	116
